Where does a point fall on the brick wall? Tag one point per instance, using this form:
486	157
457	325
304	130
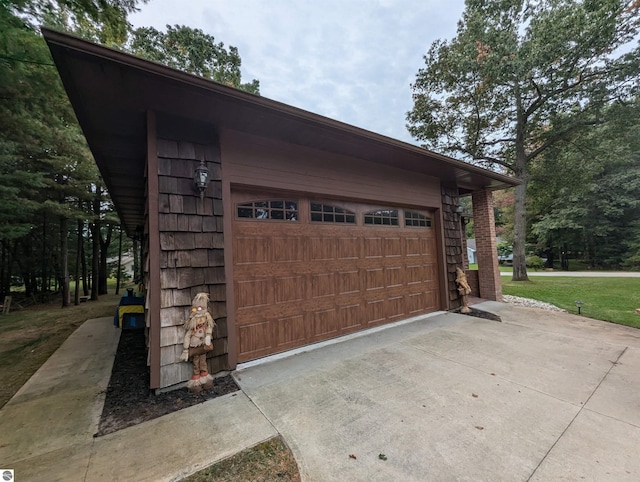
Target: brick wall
486	251
474	282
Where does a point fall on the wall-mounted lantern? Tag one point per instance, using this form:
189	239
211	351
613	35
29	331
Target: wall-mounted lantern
200	178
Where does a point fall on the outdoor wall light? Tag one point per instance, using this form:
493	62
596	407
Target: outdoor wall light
579	304
200	178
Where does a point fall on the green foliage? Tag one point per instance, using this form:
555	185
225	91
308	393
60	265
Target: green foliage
504	248
535	262
520	77
47	174
191	50
608	299
587	191
103	21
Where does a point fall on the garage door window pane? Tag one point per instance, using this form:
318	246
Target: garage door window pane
266	210
413	219
327	213
384	217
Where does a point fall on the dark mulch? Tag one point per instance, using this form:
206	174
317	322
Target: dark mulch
481	314
129	400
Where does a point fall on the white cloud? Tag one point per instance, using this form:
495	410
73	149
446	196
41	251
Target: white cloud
351	60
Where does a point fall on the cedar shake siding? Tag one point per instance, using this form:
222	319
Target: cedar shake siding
452	242
191	252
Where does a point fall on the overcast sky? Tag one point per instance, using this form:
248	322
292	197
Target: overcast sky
351	60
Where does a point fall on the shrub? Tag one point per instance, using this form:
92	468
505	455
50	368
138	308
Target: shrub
534	262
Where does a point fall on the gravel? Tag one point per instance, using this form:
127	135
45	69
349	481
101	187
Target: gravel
517	300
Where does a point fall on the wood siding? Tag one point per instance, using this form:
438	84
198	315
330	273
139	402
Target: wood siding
191	252
257	161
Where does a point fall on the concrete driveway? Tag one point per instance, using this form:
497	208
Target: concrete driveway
540	396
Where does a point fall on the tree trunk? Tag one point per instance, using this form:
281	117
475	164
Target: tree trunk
520	219
137	277
79	243
44	275
83	262
5	286
104	251
119	272
64	261
95	259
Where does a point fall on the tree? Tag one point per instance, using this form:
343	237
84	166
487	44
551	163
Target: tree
46	169
103	21
520	77
191	50
587	191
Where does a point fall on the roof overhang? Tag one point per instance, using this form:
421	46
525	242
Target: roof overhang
111	92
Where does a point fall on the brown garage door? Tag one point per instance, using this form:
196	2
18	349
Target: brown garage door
307	270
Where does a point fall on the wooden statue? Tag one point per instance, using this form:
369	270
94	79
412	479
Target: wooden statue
464	289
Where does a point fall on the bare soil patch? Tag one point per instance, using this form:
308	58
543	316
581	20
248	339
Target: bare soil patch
130	401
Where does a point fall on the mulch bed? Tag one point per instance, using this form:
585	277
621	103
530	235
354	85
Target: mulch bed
481	314
129	400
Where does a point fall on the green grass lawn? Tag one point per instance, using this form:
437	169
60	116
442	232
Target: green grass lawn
608	299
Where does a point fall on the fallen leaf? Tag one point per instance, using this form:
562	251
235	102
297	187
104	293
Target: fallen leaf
493	374
479	427
351	456
474	395
382	457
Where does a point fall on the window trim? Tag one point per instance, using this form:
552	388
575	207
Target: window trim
408	216
373	215
334	212
251	205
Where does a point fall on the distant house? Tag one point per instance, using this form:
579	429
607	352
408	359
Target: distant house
305	229
471	251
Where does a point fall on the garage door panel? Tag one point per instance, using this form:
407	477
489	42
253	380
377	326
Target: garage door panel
396	308
322	249
255	339
375	311
288	289
290	331
324	324
301	282
351	317
374	279
250	250
251	293
394	276
348	248
323	284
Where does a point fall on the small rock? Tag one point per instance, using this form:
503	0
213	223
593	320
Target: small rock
519	301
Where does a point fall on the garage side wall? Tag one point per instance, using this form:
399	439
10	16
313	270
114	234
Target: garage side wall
191	252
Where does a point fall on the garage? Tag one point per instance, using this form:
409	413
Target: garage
300	228
309	269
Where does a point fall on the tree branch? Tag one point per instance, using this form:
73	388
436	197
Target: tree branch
560	135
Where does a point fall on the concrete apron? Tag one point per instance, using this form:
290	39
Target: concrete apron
540	396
